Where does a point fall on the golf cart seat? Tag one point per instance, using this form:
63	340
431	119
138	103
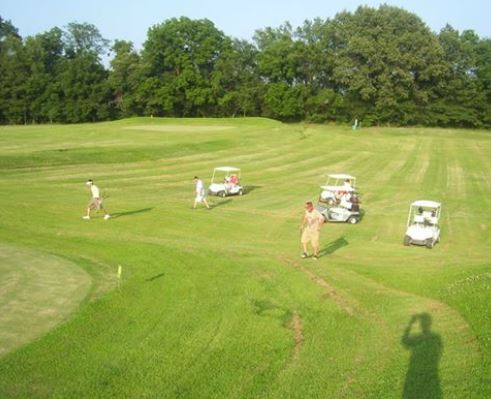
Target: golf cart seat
432	220
419	218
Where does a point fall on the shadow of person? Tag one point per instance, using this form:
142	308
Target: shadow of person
220	203
422	379
334	246
128	213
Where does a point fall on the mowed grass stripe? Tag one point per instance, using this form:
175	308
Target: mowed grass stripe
207	309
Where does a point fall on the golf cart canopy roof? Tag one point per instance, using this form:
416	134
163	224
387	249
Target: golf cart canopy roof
227	169
427	204
341	176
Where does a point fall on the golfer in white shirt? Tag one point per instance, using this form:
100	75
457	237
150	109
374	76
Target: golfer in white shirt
95	202
200	193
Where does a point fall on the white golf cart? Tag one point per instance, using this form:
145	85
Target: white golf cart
347	211
229	184
422	223
336	184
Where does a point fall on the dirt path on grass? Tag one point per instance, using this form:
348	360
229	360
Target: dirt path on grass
342	301
298	334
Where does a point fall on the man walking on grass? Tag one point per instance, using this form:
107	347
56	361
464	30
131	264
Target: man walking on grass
95	202
310	227
200	192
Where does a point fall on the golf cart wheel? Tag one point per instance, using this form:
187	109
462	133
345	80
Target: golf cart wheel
222	194
353	220
429	243
407	240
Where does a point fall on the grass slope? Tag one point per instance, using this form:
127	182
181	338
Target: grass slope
217	303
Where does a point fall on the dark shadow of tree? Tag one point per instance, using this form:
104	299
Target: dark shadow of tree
333	246
422	379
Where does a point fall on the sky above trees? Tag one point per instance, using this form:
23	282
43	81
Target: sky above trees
130	20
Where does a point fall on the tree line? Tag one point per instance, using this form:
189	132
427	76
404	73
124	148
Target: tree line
379	65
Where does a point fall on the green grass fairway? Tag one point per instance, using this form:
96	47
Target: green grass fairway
217	303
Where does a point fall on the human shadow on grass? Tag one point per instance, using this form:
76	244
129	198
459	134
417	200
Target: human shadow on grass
155	277
333	246
129	213
422	379
220	203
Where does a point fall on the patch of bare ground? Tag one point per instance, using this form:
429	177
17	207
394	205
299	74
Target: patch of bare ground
296	326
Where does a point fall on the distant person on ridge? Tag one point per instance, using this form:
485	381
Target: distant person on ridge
95	202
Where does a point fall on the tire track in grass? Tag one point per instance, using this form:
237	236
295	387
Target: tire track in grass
297	328
343	302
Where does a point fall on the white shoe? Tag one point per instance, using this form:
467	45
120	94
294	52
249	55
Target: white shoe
107	216
86	217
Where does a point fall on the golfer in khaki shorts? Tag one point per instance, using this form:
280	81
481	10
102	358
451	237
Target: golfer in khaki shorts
310	227
95	202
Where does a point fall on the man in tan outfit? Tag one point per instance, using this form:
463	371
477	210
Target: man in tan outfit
312	222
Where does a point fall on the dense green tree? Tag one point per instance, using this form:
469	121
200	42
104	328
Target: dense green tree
81	76
236	82
13	76
181	54
461	99
10	45
125	77
483	73
324	102
43	52
83	90
284	102
278	64
277	56
7	30
386	62
83	38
